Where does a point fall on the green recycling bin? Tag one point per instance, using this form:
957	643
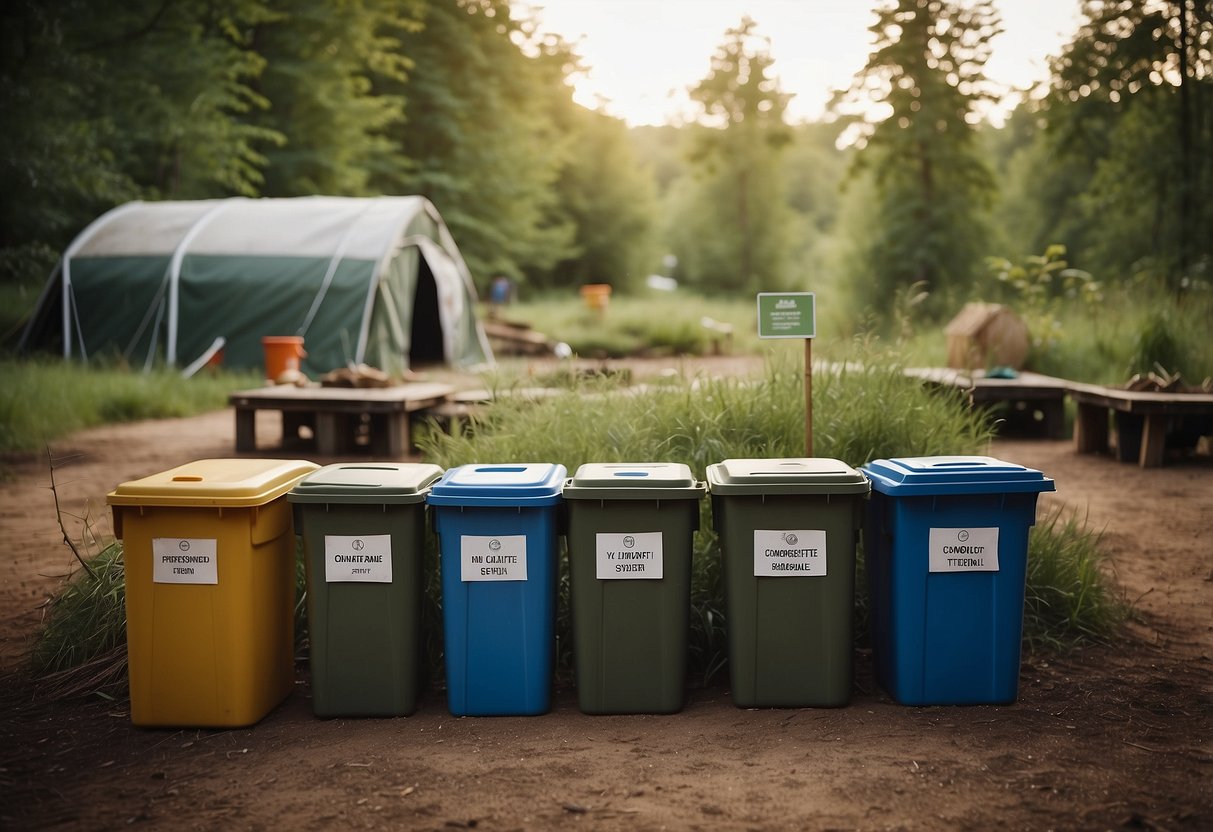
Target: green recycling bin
363	530
788	530
630	530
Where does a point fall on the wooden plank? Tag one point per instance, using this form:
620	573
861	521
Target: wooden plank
246	429
1153	440
1091	429
328	433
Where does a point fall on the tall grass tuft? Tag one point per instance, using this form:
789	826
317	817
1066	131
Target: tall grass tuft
41	400
1069	597
81	647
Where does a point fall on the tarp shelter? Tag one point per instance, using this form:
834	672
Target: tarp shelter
363	280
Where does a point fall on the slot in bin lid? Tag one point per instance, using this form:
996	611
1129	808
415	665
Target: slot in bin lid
214	482
796	475
942	475
633	481
499	484
364	483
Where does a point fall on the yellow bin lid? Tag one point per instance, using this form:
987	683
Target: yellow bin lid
214	482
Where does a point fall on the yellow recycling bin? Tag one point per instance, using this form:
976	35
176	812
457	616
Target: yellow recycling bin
209	549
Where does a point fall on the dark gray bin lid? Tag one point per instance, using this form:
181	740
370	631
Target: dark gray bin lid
797	475
633	481
364	483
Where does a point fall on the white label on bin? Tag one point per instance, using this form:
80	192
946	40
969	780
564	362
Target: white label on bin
492	558
184	560
366	557
963	550
633	556
790	553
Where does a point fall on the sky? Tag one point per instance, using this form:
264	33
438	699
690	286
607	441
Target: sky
643	55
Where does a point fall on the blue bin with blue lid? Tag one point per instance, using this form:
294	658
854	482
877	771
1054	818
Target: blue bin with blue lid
498	532
946	543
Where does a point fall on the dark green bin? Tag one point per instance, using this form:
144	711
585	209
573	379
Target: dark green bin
630	530
363	530
788	530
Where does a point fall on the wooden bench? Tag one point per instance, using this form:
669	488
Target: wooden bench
336	415
1026	395
1141	419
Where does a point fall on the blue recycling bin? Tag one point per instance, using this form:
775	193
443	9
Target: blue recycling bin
946	542
498	532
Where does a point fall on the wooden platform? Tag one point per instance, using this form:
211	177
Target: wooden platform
1026	396
1141	419
336	416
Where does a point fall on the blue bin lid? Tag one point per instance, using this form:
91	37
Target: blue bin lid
927	475
367	483
500	484
633	481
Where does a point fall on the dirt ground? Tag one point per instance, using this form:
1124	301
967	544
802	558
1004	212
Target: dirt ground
1101	738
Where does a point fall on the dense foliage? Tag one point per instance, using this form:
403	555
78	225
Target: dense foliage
889	207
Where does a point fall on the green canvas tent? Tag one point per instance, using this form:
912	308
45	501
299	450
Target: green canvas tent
363	280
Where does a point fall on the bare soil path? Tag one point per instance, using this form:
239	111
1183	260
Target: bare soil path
1101	738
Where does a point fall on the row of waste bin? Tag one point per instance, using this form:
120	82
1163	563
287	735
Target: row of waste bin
210	555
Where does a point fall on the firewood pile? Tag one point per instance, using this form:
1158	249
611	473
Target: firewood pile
1159	380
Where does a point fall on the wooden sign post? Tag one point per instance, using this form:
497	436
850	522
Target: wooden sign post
793	315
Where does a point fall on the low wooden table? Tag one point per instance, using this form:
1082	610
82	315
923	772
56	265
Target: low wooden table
334	414
1026	394
1141	419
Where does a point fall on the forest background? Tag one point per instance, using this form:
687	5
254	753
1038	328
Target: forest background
903	196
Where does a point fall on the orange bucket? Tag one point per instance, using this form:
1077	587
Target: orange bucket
282	353
596	295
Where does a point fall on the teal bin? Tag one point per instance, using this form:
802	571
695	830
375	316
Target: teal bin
630	537
788	531
363	531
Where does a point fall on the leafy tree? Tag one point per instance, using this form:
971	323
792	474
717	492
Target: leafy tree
481	144
56	165
178	82
912	110
1133	95
320	64
601	188
732	220
104	103
812	170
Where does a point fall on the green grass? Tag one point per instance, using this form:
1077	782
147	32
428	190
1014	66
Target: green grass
1069	596
42	400
653	324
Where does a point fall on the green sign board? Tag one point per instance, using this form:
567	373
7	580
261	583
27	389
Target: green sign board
787	315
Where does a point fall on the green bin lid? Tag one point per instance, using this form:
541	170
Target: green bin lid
364	483
800	475
633	481
214	482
